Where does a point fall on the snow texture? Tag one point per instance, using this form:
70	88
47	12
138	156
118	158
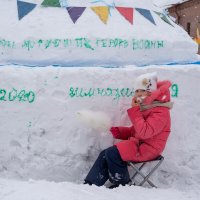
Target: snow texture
47	36
45	139
167	3
55	120
97	120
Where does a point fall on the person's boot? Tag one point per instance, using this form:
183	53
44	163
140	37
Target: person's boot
87	182
115	185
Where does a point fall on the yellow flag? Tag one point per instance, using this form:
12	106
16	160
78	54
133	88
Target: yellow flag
102	12
197	38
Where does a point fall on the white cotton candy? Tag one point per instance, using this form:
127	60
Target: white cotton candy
97	120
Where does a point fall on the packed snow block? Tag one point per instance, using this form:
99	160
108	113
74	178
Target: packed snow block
110	33
55	121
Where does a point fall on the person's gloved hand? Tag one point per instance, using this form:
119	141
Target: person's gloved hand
136	101
115	132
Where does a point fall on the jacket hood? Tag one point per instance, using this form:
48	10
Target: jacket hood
162	94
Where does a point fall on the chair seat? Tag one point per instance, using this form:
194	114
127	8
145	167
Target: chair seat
160	157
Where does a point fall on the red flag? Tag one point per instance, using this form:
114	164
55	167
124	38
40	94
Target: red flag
126	12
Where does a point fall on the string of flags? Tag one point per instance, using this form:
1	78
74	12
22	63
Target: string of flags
102	12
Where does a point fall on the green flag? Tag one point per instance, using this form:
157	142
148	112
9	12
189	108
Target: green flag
51	3
163	17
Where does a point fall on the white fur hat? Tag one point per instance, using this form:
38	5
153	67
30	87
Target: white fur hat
146	82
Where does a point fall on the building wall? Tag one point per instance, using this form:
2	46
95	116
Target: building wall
188	16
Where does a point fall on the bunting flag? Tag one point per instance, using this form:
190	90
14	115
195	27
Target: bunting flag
163	17
197	37
102	12
24	8
75	12
51	3
127	13
147	14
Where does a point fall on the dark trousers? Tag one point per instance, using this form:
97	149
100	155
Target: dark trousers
108	165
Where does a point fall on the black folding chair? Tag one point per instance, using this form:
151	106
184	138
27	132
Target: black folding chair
145	177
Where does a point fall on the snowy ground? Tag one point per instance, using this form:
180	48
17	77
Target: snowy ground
44	190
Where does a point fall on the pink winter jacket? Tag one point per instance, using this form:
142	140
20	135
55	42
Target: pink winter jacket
147	137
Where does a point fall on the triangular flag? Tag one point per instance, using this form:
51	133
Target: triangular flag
147	14
75	12
51	3
197	37
24	8
127	13
102	12
163	17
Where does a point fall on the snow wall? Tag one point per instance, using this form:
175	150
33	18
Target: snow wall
42	138
32	34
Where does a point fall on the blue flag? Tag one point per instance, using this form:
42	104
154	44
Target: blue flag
24	8
147	14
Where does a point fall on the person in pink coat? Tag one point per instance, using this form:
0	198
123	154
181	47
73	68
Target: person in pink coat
144	140
147	137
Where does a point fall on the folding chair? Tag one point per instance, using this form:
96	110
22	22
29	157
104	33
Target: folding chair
137	170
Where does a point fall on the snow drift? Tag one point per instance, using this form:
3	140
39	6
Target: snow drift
42	138
109	36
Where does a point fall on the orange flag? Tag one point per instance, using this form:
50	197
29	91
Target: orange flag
197	38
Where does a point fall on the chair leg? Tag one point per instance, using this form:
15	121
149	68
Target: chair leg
152	171
139	172
135	174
